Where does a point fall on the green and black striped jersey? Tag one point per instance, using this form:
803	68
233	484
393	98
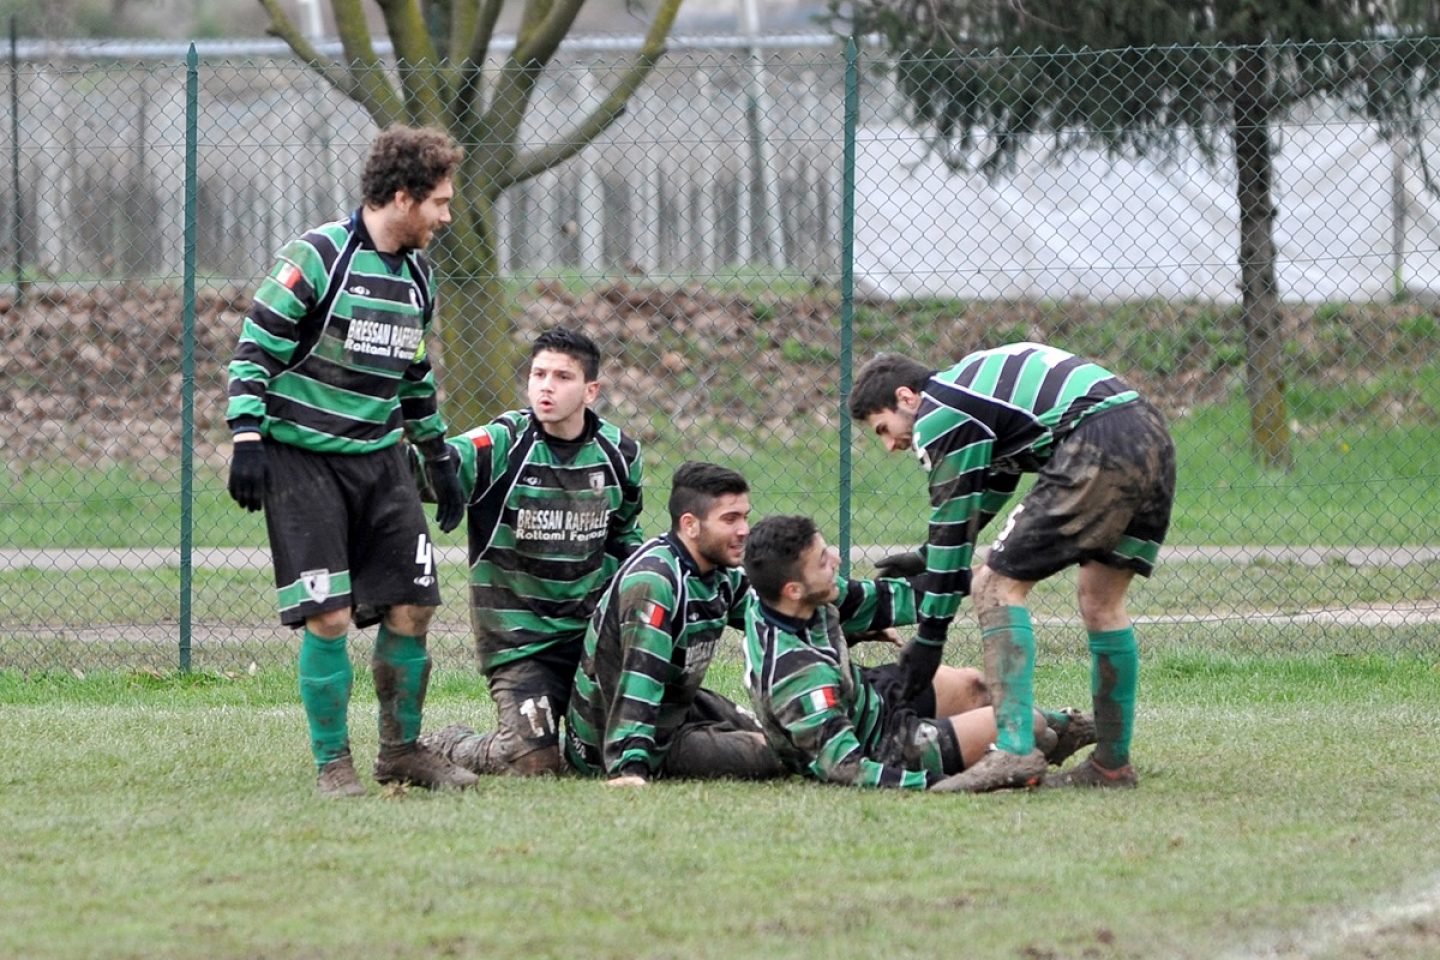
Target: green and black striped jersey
994	415
819	714
646	652
550	521
332	355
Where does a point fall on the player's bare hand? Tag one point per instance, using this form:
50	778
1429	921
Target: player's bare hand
629	780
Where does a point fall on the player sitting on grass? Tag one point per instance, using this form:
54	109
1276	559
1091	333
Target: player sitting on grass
828	718
638	710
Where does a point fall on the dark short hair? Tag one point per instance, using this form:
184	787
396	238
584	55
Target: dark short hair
877	381
573	344
772	552
413	159
696	486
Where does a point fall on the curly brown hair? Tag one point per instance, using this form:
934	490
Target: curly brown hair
413	159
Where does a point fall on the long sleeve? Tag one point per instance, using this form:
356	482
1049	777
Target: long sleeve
957	450
624	536
272	330
629	743
806	697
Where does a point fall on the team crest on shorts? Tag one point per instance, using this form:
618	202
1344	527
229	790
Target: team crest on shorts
316	584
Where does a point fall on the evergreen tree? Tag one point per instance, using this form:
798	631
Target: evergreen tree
1129	76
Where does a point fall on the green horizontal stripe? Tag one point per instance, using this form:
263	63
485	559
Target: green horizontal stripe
333	400
281	348
309	439
1133	548
294	594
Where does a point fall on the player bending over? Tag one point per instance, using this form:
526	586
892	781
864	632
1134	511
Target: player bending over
1102	500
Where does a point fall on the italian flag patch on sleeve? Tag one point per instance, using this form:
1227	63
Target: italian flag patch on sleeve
822	699
289	276
652	614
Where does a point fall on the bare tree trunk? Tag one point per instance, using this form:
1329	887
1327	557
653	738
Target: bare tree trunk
479	364
1264	349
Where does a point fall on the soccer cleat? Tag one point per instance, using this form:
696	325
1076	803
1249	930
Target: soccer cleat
1088	773
338	779
997	770
424	768
1077	734
448	741
465	748
1046	741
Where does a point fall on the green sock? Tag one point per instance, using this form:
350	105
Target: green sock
1009	641
325	680
402	671
1114	678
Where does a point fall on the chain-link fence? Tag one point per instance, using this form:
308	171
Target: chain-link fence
705	240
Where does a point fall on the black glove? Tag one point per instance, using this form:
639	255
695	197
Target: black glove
445	478
918	663
901	565
885	635
249	467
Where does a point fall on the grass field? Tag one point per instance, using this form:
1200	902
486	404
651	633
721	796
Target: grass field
1368	483
1286	732
1286	810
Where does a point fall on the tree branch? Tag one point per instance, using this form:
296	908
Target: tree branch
415	60
472	83
335	74
578	137
540	43
378	97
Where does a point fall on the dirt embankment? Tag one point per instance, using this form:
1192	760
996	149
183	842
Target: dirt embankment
95	374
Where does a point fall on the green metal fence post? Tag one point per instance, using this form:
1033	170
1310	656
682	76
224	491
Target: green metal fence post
187	356
16	219
847	288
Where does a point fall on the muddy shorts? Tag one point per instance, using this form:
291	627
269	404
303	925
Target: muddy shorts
1105	495
346	531
719	738
888	679
531	695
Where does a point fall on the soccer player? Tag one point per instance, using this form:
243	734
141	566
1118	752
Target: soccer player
554	503
329	374
1102	500
829	719
638	710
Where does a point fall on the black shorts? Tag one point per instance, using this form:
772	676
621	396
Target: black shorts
888	680
531	695
1105	496
346	531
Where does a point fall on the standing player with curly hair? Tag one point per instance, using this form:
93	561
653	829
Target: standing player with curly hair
330	374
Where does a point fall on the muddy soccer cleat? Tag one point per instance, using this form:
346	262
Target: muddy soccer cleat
1077	734
422	767
1088	773
997	770
449	742
462	746
338	779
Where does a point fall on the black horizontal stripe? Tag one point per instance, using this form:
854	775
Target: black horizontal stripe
328	422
